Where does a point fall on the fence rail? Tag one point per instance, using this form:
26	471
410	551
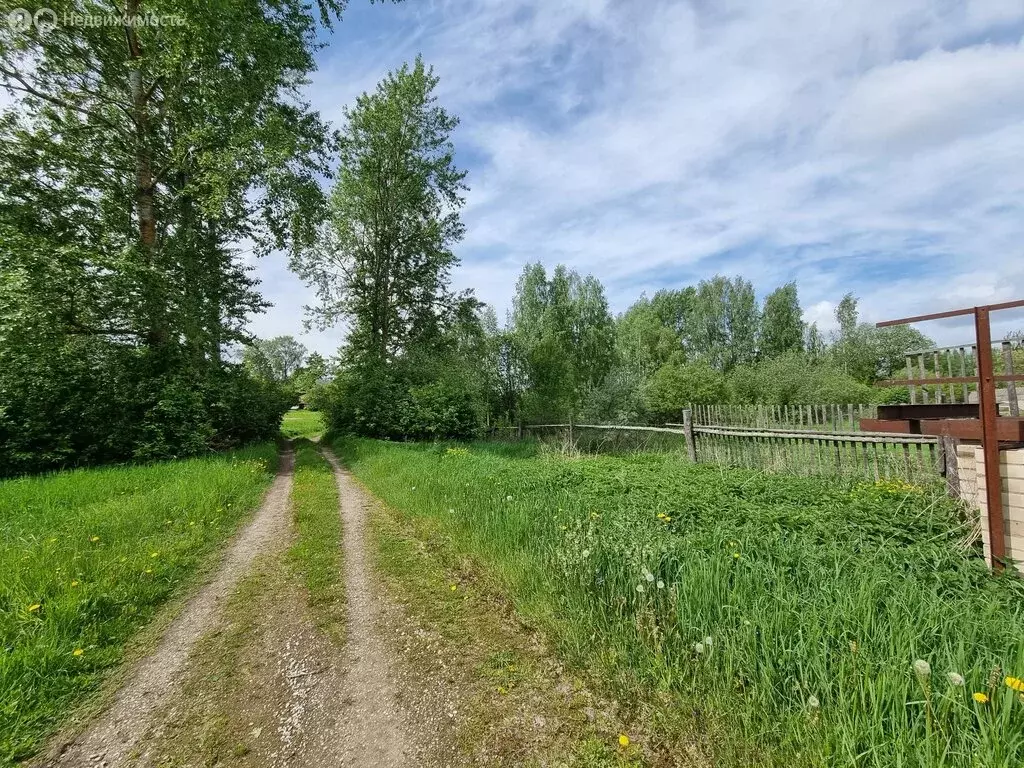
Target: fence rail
866	455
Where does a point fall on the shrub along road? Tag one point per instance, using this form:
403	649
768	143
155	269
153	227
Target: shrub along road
298	652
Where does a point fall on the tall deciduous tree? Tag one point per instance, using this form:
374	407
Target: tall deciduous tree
385	263
565	336
276	359
134	158
724	324
782	325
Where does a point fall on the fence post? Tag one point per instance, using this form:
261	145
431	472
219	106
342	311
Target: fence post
951	465
691	445
1011	387
520	428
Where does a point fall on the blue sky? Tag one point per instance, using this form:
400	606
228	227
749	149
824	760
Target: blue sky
851	145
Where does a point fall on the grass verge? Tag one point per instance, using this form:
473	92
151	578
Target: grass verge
302	424
777	620
316	553
86	559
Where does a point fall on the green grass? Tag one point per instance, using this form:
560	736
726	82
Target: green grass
817	597
86	559
316	553
302	424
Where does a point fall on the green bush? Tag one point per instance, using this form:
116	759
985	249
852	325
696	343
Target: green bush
676	385
794	379
91	402
387	402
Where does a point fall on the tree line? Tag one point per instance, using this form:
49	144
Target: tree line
136	160
421	361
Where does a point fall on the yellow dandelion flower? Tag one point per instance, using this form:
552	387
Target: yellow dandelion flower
1015	683
502	690
154	554
149	570
74	583
981	698
77	652
454	587
736	555
94	539
623	740
34	607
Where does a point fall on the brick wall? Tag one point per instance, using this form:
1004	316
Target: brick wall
972	489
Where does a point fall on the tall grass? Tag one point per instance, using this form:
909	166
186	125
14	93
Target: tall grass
86	558
784	614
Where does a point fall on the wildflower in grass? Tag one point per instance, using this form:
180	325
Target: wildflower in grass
623	740
661	584
698	648
854	647
981	698
955	678
586	553
154	554
648	575
502	690
1015	683
454	587
707	642
736	555
922	668
94	539
813	703
508	498
74	583
149	570
34	607
639	587
77	652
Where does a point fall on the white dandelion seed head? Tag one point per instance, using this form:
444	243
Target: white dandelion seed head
639	587
649	576
708	642
451	511
698	648
922	668
661	584
812	702
508	498
955	678
586	553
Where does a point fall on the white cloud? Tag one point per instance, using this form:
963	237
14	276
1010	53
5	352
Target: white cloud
933	100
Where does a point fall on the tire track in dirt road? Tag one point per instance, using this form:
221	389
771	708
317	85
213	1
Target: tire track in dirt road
115	736
376	727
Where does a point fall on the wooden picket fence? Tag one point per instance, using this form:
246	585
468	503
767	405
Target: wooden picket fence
820	418
862	455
